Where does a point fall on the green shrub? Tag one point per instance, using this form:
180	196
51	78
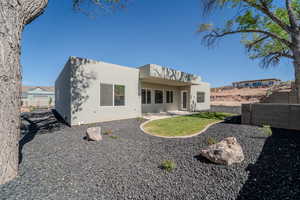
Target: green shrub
211	141
139	119
32	108
267	130
108	132
113	137
168	165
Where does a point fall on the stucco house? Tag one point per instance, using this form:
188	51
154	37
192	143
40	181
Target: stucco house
37	96
90	91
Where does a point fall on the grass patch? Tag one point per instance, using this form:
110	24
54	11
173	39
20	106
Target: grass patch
140	119
211	141
107	132
267	130
184	125
113	137
168	165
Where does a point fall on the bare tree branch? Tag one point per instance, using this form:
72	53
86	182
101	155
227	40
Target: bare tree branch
273	58
263	7
292	16
252	44
211	37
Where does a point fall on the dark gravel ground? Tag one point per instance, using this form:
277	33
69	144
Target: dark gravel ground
60	164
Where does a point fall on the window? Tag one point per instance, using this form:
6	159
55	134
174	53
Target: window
169	95
106	94
112	95
119	91
143	96
159	96
200	97
146	96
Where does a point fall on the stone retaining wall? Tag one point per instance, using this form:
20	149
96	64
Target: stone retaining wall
285	116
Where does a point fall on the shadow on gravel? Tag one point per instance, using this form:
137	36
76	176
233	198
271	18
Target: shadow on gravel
276	174
41	122
203	159
237	119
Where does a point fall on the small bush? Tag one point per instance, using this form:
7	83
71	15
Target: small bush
211	141
108	132
113	137
32	108
168	165
267	130
139	119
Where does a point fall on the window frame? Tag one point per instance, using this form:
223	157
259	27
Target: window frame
114	102
113	94
171	99
162	98
146	96
203	96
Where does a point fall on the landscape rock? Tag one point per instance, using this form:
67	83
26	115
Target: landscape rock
94	133
226	152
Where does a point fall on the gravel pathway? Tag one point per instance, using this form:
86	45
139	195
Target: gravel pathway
60	164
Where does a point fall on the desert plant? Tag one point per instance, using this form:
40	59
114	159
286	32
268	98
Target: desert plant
168	165
32	108
113	137
267	130
211	141
139	119
50	101
108	132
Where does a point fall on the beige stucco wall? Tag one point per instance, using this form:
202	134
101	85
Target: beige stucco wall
86	78
63	93
202	87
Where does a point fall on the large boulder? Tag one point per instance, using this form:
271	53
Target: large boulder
94	133
226	152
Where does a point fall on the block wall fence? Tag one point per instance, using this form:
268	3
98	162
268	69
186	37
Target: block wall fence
285	116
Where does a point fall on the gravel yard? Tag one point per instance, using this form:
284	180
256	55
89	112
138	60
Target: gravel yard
57	163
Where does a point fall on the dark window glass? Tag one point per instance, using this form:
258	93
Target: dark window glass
200	97
143	96
106	94
158	96
169	95
119	95
148	96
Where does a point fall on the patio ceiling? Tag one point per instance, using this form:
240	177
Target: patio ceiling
162	81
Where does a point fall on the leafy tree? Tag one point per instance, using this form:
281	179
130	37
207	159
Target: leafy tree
270	30
14	16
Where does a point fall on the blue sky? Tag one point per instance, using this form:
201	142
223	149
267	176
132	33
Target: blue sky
158	32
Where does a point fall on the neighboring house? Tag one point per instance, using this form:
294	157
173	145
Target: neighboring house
88	91
37	96
257	83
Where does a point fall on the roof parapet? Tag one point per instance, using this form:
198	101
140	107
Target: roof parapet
157	71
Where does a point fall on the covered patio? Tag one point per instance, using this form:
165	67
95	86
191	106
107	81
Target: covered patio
170	92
